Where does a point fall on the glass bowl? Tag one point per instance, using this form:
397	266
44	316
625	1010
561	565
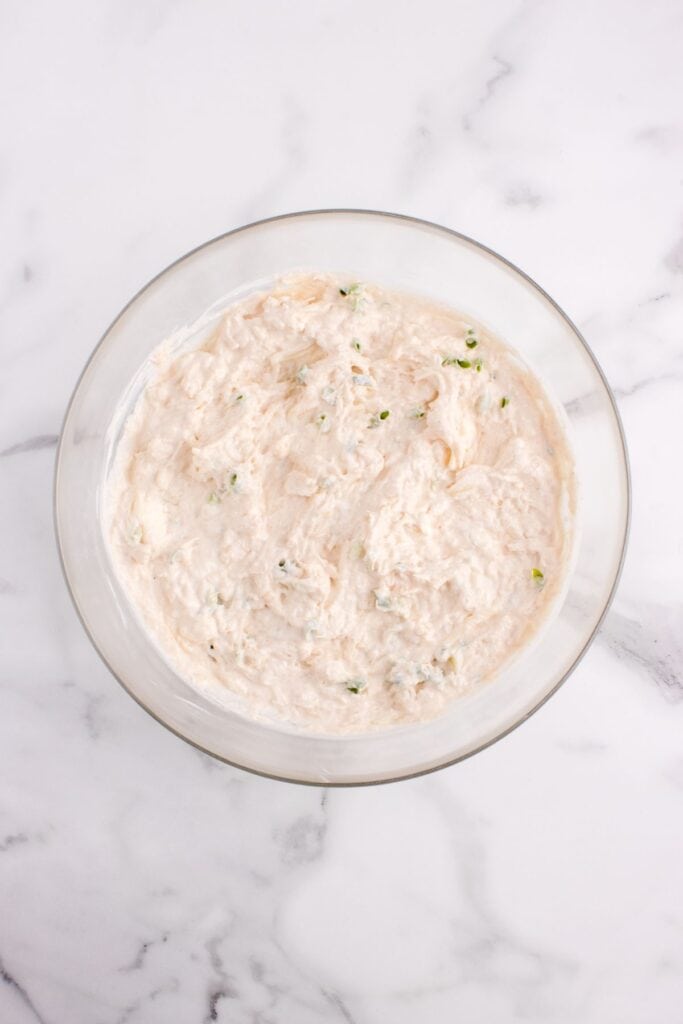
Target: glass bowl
399	253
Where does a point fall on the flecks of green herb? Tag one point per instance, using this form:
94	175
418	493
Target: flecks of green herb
281	564
453	361
239	398
504	401
233	479
377	418
350	290
536	574
471	342
464	363
355	344
418	413
478	365
355	685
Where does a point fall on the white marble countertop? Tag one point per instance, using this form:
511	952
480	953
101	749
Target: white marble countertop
541	880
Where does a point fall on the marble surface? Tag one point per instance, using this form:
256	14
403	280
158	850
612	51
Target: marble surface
543	879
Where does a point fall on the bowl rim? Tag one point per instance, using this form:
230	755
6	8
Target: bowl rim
438	228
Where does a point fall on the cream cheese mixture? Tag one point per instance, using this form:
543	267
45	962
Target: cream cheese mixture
344	509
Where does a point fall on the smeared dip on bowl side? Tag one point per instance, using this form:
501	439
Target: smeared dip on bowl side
344	509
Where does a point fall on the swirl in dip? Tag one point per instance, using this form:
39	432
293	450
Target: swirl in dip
344	509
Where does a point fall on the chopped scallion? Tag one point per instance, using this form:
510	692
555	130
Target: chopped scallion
355	685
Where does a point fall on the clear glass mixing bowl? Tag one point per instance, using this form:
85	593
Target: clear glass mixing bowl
399	253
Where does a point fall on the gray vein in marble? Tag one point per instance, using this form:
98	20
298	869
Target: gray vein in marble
663	138
652	299
138	960
335	1000
304	841
129	1011
91	715
647	382
421	144
11	982
258	973
582	746
491	86
524	195
32	444
651	643
223	985
673	261
481	940
10	841
591	401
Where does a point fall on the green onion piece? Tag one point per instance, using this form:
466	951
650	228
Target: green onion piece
478	365
536	574
384	415
504	401
233	479
418	413
355	685
471	342
464	363
355	344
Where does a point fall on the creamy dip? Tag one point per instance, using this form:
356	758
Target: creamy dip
344	509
